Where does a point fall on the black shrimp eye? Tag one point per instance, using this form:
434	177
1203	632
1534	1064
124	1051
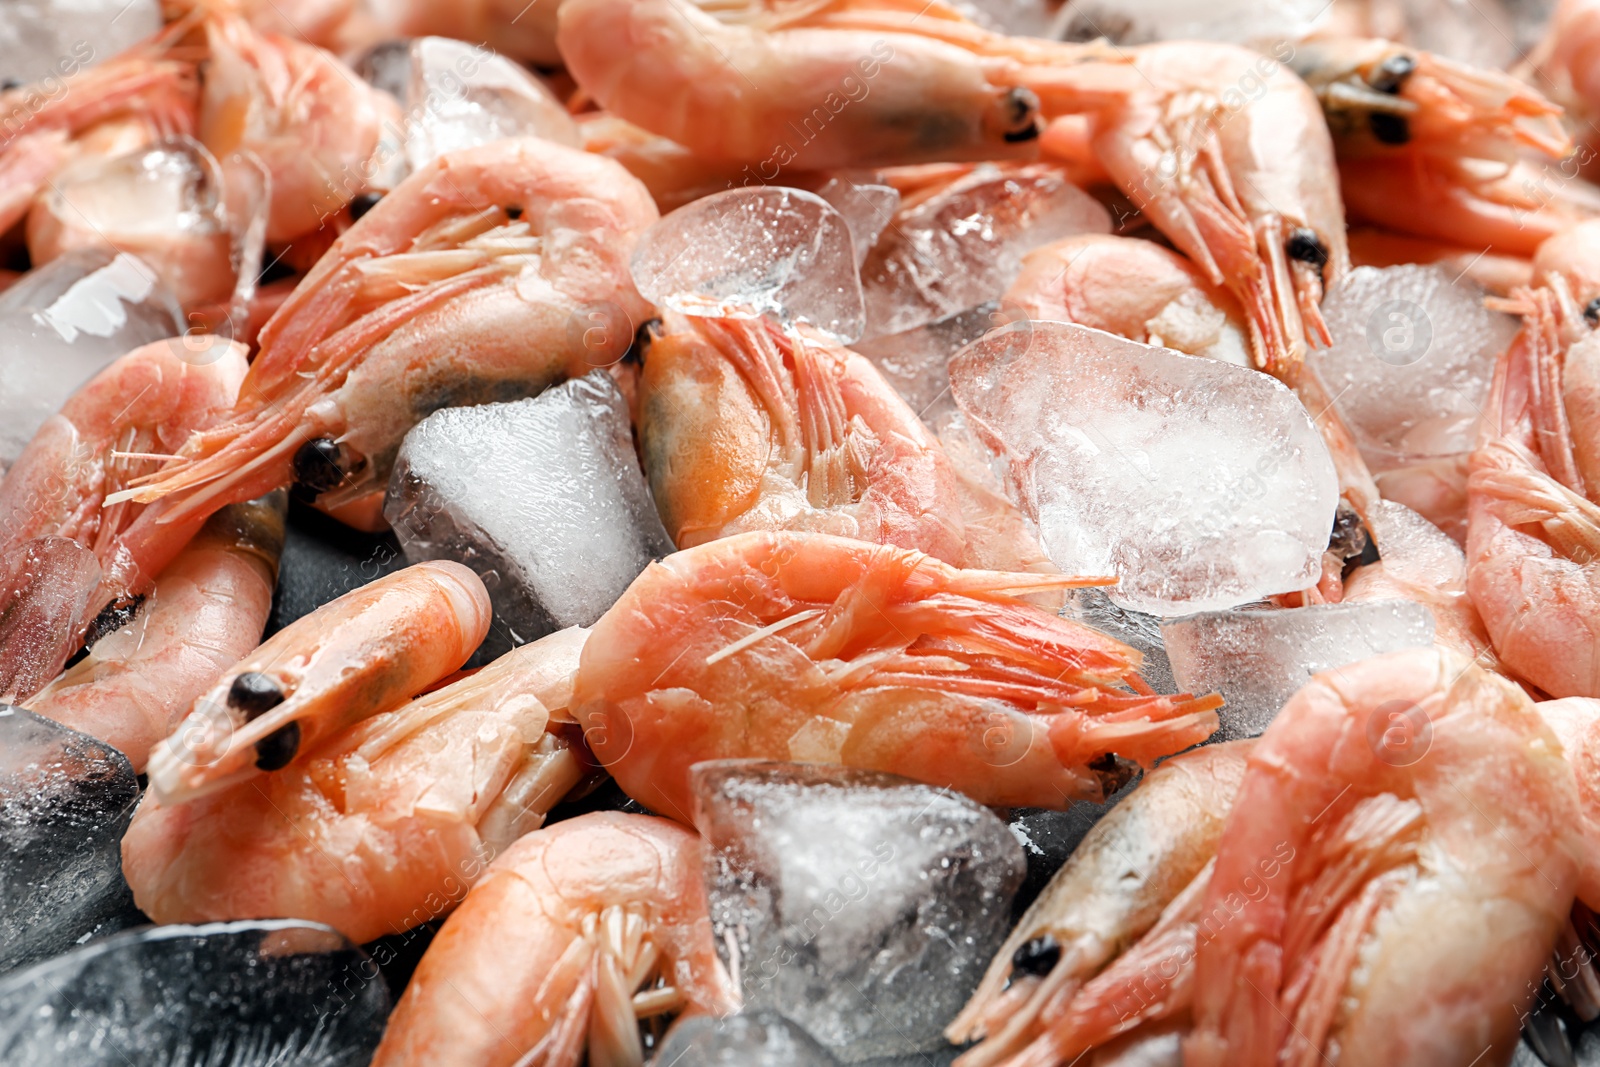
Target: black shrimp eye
1349	538
1305	246
274	751
1591	312
363	203
1022	118
8	84
1389	129
643	337
1391	74
513	212
1037	957
254	694
316	465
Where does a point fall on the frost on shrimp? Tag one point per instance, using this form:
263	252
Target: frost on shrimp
1424	824
746	426
577	932
381	826
468	283
817	648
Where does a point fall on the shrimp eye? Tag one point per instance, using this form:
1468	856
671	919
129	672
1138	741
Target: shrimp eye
8	84
643	337
1305	246
317	465
1389	129
274	751
1021	116
1349	538
254	693
363	203
1037	957
1391	74
1591	312
513	212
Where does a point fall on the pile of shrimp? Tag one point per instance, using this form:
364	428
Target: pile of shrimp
1388	874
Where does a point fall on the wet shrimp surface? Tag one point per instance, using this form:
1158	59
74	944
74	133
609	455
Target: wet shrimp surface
651	533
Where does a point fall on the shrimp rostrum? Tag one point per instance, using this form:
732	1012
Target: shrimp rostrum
816	648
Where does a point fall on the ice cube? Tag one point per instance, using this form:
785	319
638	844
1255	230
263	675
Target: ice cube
759	1039
1258	658
1128	22
1198	484
866	206
275	991
65	800
964	244
1094	608
62	324
460	95
863	905
1412	358
45	40
543	497
917	362
751	251
1026	18
1414	549
45	586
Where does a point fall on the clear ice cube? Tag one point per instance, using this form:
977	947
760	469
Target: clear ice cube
543	498
1412	358
1198	484
44	40
1094	607
461	95
752	251
1129	22
866	206
265	992
65	800
917	362
45	586
1258	658
964	244
863	905
62	324
759	1039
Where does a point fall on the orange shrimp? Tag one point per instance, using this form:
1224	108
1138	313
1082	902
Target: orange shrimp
514	28
366	652
576	932
746	426
1498	273
824	649
461	286
381	826
207	611
1422	824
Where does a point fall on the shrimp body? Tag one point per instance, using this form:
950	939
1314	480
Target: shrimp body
746	426
817	648
793	96
366	652
577	931
1416	894
206	612
461	286
1141	856
1576	723
380	826
510	27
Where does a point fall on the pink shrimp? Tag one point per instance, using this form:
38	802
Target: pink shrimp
824	649
746	426
513	28
1576	723
1422	822
380	826
207	611
366	652
576	932
460	286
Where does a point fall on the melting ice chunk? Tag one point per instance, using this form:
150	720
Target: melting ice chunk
45	586
756	250
542	497
1199	484
1258	658
917	362
62	324
1234	21
760	1039
964	245
65	800
1412	358
460	95
864	906
867	208
45	40
274	991
1094	608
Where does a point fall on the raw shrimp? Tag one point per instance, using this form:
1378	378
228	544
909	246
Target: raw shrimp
366	652
1533	535
747	426
461	286
577	931
817	648
206	612
1128	869
675	175
379	827
1422	822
